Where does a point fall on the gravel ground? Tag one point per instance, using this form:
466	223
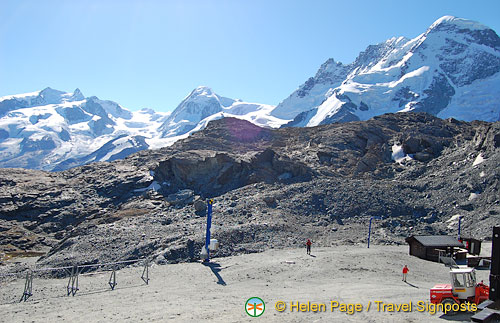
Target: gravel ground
217	293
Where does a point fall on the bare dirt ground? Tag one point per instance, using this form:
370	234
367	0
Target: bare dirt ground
193	292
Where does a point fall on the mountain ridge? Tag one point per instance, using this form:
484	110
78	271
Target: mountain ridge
434	72
450	70
55	130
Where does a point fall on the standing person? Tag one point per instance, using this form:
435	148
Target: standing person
405	272
308	245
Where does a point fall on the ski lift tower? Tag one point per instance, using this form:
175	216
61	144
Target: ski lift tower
207	238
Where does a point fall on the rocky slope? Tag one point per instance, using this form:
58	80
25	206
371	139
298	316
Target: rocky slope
451	70
272	188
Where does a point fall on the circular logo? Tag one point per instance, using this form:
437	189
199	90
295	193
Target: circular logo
255	306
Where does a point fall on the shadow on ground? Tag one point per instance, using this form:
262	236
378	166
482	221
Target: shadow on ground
215	268
414	286
462	317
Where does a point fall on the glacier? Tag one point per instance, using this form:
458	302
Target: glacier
55	130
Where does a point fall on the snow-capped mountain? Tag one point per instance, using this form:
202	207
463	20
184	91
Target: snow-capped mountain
51	129
451	70
55	130
203	105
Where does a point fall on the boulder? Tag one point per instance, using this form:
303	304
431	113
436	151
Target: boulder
200	206
423	157
181	197
270	200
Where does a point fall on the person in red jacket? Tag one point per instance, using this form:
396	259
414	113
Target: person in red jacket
308	246
405	272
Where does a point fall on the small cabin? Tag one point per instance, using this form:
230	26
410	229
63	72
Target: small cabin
429	247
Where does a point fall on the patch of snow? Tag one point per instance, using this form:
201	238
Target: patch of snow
459	22
453	221
475	101
398	154
119	145
153	186
479	159
473	196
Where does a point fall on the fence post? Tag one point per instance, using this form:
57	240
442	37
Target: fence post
112	279
74	272
73	281
28	286
145	272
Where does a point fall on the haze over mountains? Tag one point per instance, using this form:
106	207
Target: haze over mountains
451	70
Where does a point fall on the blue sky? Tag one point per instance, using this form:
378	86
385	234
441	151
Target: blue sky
153	53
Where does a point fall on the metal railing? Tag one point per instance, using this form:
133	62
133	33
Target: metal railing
74	272
448	261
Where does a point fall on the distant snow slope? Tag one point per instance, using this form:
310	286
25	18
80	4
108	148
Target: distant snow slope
55	130
51	129
451	70
202	105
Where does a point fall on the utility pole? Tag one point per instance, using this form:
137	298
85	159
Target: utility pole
209	224
459	226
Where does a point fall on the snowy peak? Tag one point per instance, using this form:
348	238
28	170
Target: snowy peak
43	97
51	96
451	70
449	22
314	91
77	95
203	91
332	74
373	54
463	50
468	31
329	68
204	94
201	103
55	130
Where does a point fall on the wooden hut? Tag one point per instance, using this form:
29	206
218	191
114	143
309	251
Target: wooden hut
429	247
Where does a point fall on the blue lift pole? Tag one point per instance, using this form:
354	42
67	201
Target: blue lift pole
459	226
209	224
370	228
